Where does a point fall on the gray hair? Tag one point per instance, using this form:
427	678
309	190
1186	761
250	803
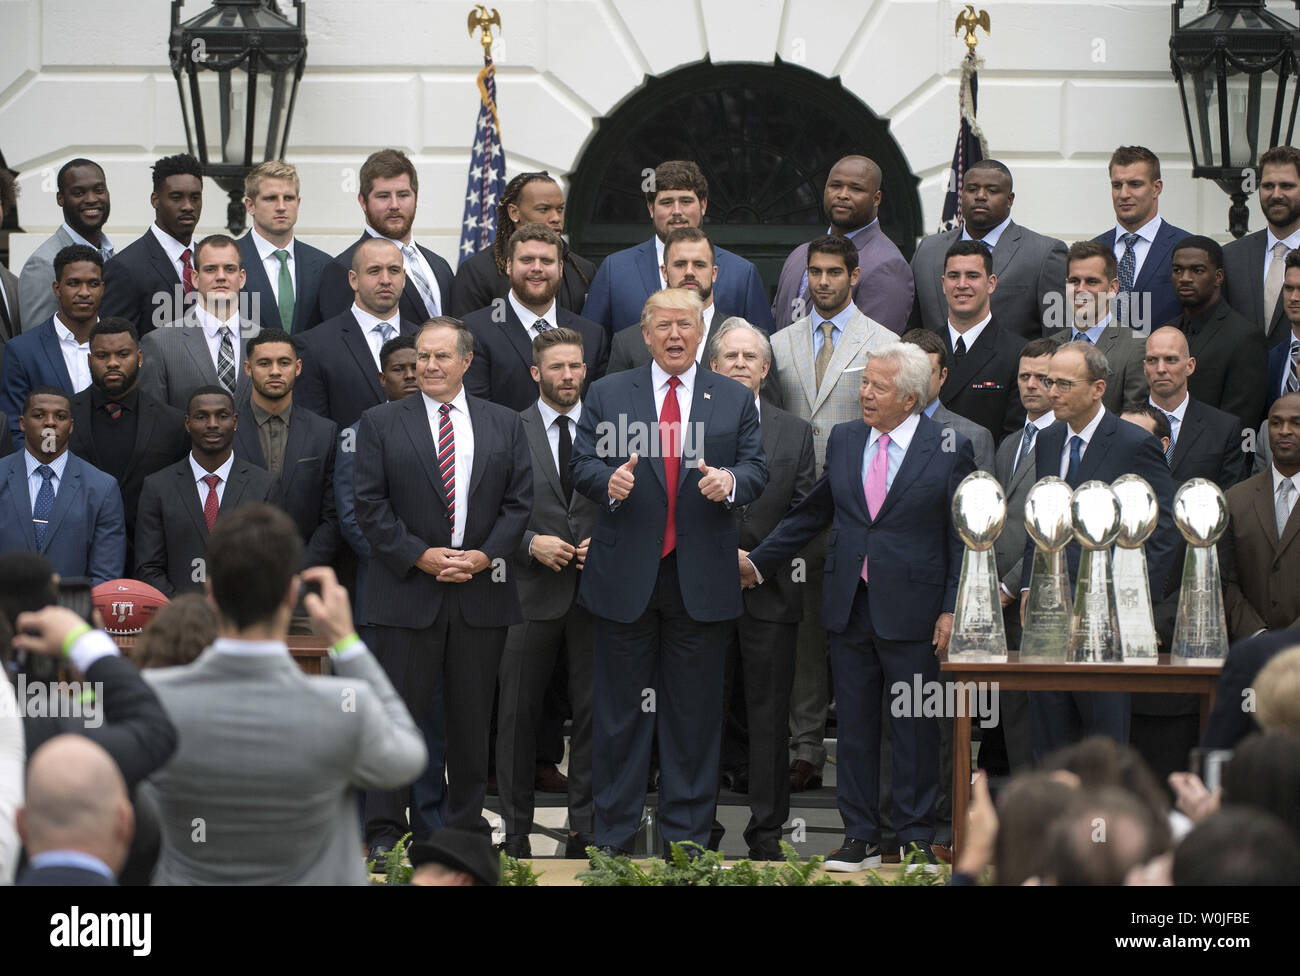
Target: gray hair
731	325
1093	358
914	370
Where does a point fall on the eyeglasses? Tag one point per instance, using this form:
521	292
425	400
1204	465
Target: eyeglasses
1065	386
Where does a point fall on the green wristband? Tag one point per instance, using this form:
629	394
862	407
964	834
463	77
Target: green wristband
74	636
343	644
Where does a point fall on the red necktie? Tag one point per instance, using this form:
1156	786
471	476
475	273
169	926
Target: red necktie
187	278
211	505
447	460
670	443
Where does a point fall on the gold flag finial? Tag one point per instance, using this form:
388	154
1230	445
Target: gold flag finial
480	18
970	20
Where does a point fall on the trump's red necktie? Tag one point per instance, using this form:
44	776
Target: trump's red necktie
670	444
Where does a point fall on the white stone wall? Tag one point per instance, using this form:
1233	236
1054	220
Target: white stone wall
1064	83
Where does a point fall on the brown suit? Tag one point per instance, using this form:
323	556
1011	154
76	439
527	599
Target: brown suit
1259	570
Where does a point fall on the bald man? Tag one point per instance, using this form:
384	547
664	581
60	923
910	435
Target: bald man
884	289
76	823
340	357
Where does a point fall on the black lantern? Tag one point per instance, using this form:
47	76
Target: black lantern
237	68
1236	68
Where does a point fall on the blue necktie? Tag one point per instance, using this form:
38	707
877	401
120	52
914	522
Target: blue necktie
1076	455
1128	263
44	504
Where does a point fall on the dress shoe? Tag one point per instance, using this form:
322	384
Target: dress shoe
740	780
767	852
516	846
943	852
804	776
575	848
379	854
853	855
926	862
550	780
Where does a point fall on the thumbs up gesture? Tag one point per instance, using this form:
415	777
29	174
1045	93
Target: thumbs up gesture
621	481
715	483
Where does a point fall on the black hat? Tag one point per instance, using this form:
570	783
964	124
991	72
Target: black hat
460	850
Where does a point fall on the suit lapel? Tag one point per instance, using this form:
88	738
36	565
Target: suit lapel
196	344
259	284
1155	256
647	264
355	341
539	443
924	443
643	405
54	356
1189	430
247	444
235	486
69	490
854	488
960	371
701	414
189	492
517	334
294	448
162	264
21	499
1006	248
415	419
851	340
800	340
481	426
1098	447
145	424
307	268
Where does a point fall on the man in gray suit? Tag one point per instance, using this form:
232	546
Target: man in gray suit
547	567
1030	268
981	440
818	367
202	348
11	320
83	195
274	801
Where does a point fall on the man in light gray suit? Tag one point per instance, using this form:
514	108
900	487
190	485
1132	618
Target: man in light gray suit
262	789
1030	267
981	440
818	363
203	346
83	195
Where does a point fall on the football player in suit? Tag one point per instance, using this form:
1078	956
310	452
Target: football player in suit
677	197
884	290
1284	358
658	576
1030	267
981	440
1254	265
1142	243
504	331
389	190
282	271
148	281
482	277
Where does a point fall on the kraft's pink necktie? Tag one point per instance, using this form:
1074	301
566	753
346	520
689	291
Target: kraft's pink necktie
875	485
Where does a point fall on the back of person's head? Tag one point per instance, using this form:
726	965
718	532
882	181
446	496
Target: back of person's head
1100	761
177	633
1264	774
76	800
1104	834
253	554
1237	846
1026	812
1277	694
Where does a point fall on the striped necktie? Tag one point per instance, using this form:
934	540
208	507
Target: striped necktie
1293	379
447	460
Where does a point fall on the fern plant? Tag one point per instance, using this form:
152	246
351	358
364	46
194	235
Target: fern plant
396	870
518	874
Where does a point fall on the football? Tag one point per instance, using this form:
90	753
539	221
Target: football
125	605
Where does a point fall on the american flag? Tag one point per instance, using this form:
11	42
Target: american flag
971	147
487	169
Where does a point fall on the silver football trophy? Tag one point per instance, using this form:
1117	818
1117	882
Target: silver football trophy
1138	511
1200	629
1095	635
979	510
1047	614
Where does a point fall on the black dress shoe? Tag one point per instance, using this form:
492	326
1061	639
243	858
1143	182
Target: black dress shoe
575	848
516	846
767	852
379	854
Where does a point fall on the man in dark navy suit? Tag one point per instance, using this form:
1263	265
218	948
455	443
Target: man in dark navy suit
504	331
1086	443
283	272
389	189
1142	240
659	576
678	197
1284	357
892	568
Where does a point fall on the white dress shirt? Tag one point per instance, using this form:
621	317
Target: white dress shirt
708	324
1175	415
76	355
201	472
212	332
1086	434
992	237
900	439
971	335
463	432
271	264
174	249
549	416
414	255
659	261
1271	242
371	329
1146	237
58	466
529	319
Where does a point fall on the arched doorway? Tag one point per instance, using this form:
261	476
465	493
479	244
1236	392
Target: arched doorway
765	135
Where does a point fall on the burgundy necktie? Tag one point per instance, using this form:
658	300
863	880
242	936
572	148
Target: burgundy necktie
113	409
447	460
187	277
670	443
211	504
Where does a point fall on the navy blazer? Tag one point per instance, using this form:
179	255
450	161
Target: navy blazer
982	385
503	354
141	284
912	549
622	565
1279	361
336	295
309	263
1154	302
1117	448
306	489
401	509
627	278
30	360
86	535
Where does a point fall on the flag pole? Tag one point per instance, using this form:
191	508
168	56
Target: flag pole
971	144
487	168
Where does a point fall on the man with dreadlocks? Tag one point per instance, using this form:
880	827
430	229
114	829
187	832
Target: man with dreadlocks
482	277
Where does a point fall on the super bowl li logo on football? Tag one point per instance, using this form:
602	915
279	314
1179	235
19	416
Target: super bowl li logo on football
121	610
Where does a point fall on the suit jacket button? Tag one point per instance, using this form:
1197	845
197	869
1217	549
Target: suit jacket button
660	540
817	431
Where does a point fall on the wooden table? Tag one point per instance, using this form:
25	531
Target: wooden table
1015	675
307	649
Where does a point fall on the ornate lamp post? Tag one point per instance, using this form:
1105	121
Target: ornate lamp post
237	68
1236	68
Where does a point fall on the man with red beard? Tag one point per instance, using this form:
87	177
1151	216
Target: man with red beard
504	331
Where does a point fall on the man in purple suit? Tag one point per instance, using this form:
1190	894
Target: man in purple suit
884	290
